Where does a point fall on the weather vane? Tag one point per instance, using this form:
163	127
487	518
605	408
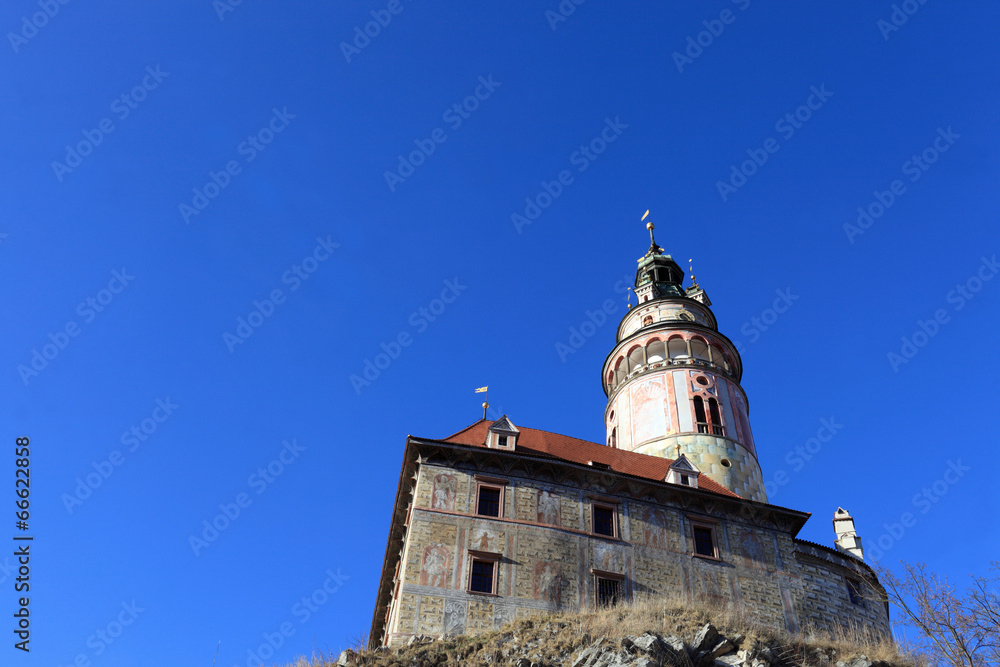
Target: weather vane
653	248
694	283
484	390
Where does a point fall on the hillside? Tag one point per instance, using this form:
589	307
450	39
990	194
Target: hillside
641	635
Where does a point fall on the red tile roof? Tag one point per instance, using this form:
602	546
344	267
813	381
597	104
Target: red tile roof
574	450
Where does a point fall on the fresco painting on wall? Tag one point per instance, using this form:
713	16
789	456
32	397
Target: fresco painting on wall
548	508
654	527
547	582
740	407
606	557
752	550
444	493
484	539
435	565
649	410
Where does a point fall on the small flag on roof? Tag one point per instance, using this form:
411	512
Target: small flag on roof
482	389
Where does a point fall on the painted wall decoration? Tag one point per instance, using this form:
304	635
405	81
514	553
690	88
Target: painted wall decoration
454	618
685	417
484	539
649	409
707	587
606	557
740	408
435	566
443	496
502	615
654	528
546	582
548	508
752	550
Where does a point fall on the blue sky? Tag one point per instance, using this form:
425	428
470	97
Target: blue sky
245	171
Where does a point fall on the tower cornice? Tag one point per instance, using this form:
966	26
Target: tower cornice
664	300
736	374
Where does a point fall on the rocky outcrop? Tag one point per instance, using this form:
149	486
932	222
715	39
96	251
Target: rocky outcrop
707	648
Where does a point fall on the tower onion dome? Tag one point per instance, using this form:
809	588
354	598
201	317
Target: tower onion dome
660	270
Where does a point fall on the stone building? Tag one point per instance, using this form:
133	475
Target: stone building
498	521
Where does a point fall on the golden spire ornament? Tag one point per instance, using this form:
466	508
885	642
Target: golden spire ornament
653	248
694	283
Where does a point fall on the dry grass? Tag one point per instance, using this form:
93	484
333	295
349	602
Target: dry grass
555	638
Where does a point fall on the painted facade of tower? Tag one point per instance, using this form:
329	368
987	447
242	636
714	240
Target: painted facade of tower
673	380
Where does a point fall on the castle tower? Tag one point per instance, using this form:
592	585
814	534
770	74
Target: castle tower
847	536
673	380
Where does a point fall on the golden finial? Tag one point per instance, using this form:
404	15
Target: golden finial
678	448
484	390
653	248
649	226
694	283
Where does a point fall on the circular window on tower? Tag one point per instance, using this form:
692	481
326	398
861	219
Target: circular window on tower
702	380
611	417
726	463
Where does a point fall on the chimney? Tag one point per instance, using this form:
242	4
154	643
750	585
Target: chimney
847	538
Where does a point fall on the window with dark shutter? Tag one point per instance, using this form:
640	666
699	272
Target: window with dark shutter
604	520
488	503
608	592
704	541
481	579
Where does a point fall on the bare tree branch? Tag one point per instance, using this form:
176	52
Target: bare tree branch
954	629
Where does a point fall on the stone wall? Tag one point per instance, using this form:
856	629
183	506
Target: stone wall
548	555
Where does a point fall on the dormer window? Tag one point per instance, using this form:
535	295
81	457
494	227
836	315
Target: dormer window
683	472
502	434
